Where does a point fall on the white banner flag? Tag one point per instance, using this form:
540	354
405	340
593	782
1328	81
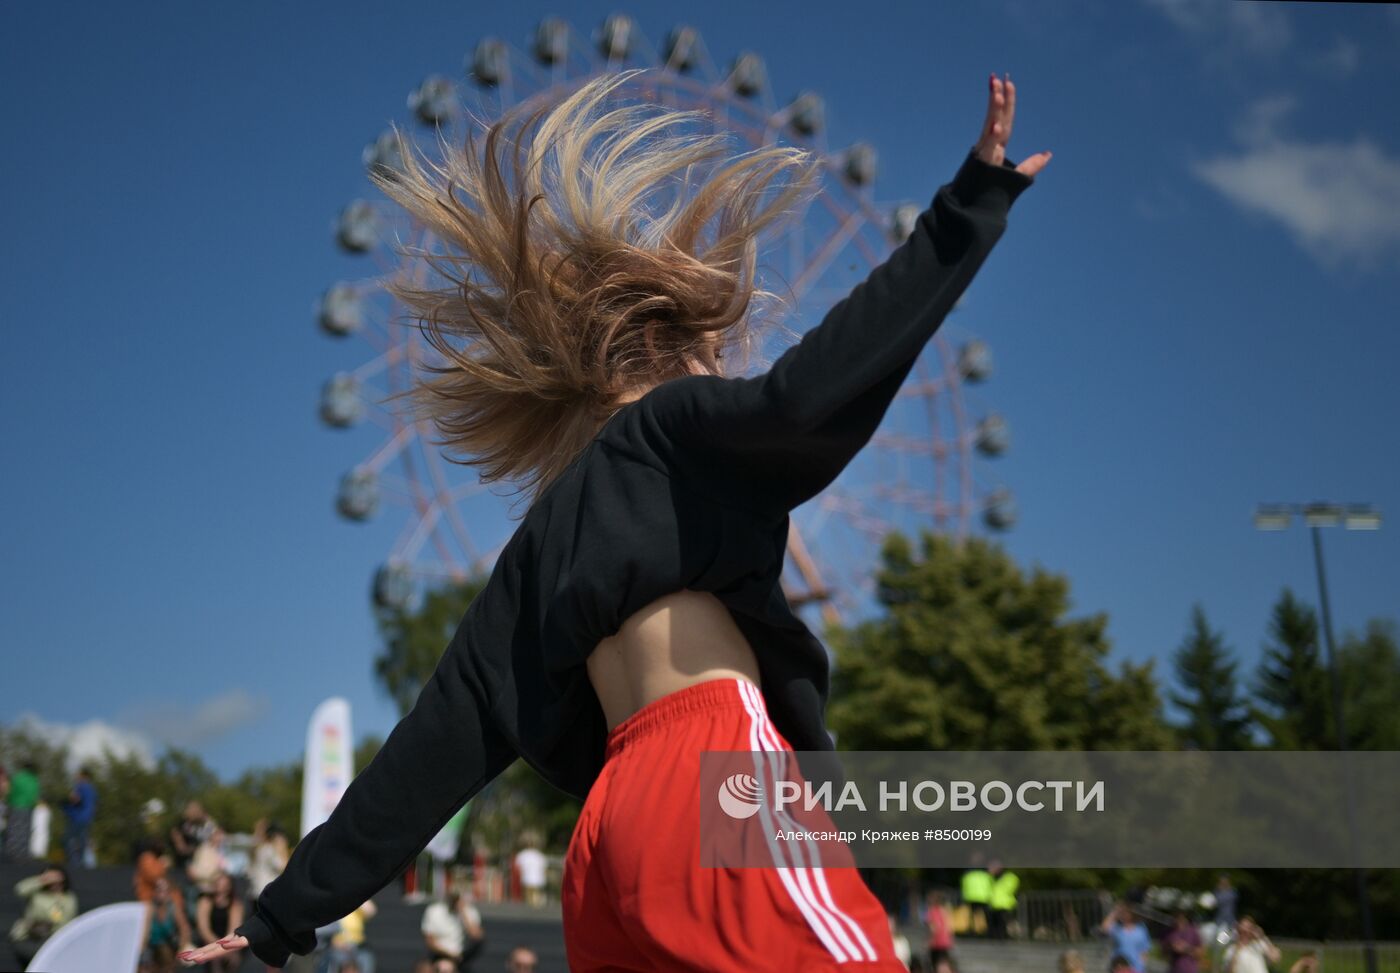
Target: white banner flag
330	762
445	843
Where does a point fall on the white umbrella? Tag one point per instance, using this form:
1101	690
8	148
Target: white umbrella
107	939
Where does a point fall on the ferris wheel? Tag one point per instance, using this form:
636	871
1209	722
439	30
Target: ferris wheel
923	468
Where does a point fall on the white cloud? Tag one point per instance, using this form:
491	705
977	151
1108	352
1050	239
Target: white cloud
187	726
1340	60
1339	200
91	740
1261	27
1262	119
142	731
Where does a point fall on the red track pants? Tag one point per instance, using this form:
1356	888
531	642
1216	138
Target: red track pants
635	896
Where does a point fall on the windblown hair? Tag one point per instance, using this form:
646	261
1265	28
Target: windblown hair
559	291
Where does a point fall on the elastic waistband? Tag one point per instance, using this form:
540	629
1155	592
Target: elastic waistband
713	694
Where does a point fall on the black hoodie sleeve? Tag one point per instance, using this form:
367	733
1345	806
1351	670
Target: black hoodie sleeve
445	750
779	438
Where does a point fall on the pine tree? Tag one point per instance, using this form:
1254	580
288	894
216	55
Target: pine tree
1217	717
1370	665
1291	684
972	653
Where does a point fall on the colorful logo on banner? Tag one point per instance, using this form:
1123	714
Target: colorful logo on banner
329	764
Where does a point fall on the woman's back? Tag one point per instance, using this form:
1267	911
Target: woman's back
679	640
628	578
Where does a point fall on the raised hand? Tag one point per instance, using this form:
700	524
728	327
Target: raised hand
996	130
229	944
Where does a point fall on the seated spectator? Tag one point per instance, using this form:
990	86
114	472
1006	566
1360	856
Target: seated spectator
1128	936
1071	962
1120	964
269	857
1252	952
49	905
533	867
939	919
1182	946
453	933
1306	962
902	950
208	863
347	950
217	914
191	831
522	960
167	929
152	865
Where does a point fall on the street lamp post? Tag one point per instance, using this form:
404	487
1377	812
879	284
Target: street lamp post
1317	516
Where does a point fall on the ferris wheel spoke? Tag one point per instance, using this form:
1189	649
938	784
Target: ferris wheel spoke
389	450
396	490
468	489
905	443
918	469
646	51
925	388
825	254
443	497
443	570
379	363
411	538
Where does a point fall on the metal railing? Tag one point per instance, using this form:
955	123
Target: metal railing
1070	916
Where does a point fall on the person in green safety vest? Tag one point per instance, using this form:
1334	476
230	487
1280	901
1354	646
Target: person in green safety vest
977	896
1003	898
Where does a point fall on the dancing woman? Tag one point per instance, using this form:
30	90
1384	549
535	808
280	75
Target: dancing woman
635	618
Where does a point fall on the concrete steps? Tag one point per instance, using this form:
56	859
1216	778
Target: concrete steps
393	933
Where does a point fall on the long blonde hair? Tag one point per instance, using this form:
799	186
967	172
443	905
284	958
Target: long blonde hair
560	293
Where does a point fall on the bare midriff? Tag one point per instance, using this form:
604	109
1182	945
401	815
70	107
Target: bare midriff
676	641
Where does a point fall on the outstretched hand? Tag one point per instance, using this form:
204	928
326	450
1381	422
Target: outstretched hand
996	130
229	944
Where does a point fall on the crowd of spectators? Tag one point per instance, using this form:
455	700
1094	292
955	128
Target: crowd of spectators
1247	949
25	817
197	893
1182	943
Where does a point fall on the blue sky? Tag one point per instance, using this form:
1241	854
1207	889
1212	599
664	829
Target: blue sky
1193	310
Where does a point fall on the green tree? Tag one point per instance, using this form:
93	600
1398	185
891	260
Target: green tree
972	653
1217	716
519	799
414	639
124	787
270	792
1370	664
273	793
1291	689
186	773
